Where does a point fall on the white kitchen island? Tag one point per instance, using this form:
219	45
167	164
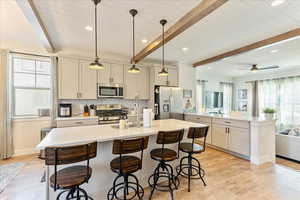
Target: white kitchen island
102	176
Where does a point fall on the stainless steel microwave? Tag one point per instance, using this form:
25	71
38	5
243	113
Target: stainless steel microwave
110	91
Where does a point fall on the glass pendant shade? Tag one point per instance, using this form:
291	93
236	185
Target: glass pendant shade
96	65
134	69
163	72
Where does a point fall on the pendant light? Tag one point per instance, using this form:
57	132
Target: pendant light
96	65
163	71
134	68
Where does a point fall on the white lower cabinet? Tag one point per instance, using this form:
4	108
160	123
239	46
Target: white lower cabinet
231	138
70	122
219	136
239	140
232	135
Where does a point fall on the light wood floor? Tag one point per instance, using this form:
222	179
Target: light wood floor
228	178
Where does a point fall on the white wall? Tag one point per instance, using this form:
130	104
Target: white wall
212	77
187	79
26	134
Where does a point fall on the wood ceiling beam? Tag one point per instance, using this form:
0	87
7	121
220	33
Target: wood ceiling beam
29	10
260	44
196	14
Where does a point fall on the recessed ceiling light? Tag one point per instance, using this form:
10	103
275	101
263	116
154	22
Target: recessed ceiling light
185	49
89	28
208	68
144	41
277	2
274	51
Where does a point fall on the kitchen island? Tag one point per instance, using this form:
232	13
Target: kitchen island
102	177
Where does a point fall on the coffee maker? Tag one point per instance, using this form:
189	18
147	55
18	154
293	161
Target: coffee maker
65	110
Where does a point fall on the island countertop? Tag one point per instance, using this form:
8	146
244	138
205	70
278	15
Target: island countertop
102	133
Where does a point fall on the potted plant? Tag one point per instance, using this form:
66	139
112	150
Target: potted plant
269	113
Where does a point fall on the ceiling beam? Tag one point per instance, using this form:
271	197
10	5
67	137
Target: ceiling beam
260	44
32	15
192	17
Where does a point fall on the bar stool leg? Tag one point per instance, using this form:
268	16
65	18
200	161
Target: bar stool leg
190	173
200	169
156	171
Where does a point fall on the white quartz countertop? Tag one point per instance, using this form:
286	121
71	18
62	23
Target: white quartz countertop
80	117
241	117
102	133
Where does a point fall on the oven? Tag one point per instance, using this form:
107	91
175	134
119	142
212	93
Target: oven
110	91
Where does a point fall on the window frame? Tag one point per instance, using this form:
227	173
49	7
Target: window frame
13	87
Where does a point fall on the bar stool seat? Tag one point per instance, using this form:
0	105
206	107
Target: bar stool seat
71	176
191	148
163	154
130	164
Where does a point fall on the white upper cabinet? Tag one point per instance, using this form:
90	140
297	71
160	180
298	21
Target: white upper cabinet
170	80
111	74
117	73
104	74
87	81
68	80
137	85
76	80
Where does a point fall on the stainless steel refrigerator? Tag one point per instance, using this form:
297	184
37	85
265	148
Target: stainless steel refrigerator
169	100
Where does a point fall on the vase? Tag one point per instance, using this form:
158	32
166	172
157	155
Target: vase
269	116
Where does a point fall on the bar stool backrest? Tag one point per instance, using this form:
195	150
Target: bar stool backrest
169	137
198	133
70	154
128	146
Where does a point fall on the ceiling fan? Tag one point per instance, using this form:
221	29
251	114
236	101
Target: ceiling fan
254	68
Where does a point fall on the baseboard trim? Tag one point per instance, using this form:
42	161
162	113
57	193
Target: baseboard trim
22	152
290	159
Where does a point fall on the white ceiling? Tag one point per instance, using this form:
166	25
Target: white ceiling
235	24
65	21
16	32
286	57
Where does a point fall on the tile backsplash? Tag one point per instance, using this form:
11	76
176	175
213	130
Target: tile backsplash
77	105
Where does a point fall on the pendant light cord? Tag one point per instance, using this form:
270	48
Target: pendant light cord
163	46
133	39
96	31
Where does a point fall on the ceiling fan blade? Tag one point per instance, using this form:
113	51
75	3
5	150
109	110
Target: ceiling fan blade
271	67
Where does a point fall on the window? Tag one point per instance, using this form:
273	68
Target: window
31	79
282	95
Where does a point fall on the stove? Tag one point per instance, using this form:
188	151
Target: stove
110	114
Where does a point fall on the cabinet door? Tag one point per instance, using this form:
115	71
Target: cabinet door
137	85
159	80
104	74
173	77
117	73
68	78
219	136
87	81
208	137
239	140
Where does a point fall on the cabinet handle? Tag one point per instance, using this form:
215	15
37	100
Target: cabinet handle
78	122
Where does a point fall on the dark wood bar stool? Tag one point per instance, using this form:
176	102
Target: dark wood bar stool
125	166
191	170
69	179
163	156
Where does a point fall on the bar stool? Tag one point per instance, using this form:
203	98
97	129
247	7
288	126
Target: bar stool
163	156
125	166
69	179
190	170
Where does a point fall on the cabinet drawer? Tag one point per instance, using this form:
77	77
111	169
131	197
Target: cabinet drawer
233	123
197	118
72	123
